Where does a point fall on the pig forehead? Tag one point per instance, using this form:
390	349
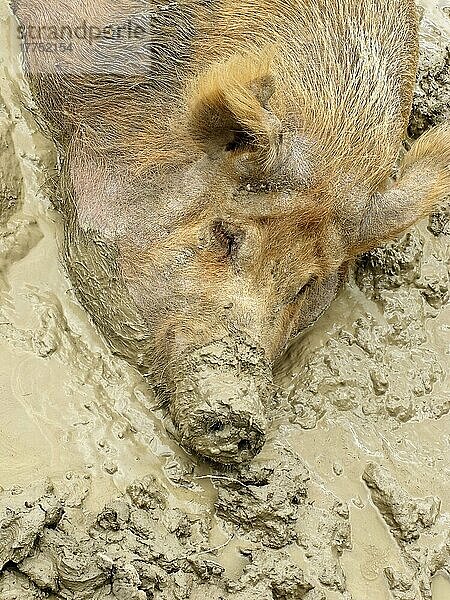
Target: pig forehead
196	194
258	198
263	216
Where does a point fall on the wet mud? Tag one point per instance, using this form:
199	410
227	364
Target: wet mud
349	497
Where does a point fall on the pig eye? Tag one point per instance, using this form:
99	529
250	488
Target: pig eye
227	238
241	141
303	289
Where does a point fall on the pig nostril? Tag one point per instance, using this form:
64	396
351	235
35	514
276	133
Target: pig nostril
226	436
244	445
217	426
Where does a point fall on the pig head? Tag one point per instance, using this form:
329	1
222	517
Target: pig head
215	185
221	281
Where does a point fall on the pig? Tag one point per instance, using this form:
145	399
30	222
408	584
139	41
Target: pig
221	162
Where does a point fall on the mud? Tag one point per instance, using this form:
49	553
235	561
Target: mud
432	95
349	498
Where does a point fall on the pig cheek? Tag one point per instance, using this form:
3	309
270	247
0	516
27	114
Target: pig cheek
280	329
316	301
152	295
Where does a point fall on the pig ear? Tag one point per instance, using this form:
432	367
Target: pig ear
423	182
229	110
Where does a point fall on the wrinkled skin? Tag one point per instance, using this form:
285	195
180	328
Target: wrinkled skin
218	172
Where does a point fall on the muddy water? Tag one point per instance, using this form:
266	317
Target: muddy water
348	500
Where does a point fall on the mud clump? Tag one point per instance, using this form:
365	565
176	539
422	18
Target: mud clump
129	550
146	495
272	576
134	549
432	93
22	522
406	516
392	266
401	264
439	221
264	501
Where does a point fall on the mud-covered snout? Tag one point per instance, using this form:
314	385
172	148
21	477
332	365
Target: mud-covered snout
226	422
219	408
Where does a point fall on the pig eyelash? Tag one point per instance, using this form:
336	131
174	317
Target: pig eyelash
227	240
242	140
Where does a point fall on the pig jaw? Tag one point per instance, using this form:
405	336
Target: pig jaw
219	405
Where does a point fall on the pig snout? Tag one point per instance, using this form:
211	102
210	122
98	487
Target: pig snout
227	423
219	409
